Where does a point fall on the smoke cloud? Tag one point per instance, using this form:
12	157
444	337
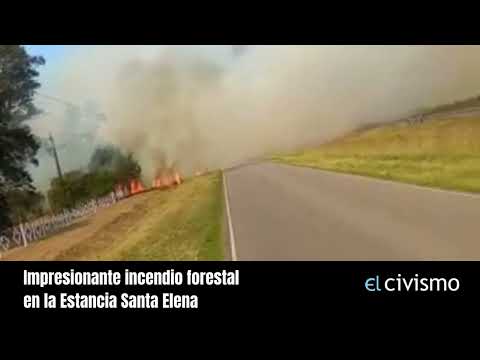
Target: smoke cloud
197	107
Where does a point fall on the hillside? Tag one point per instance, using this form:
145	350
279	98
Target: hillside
443	153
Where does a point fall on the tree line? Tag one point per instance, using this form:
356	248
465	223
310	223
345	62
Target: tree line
108	167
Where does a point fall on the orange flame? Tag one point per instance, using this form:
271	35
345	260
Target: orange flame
166	179
136	187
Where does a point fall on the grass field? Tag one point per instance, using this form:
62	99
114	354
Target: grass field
437	153
184	223
185	226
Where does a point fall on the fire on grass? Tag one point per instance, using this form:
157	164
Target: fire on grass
164	179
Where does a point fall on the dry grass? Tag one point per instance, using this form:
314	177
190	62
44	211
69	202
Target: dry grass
189	229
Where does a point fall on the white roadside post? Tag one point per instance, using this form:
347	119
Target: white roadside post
24	238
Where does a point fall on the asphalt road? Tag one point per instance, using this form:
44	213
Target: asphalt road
281	212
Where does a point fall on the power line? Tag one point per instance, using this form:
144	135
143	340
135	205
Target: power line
56	99
100	116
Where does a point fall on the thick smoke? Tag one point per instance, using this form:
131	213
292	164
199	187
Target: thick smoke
203	107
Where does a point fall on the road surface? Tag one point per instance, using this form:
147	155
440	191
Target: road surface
281	212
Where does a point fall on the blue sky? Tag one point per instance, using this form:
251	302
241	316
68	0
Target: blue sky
54	55
51	53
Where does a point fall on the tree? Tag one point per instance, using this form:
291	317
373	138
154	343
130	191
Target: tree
108	167
25	205
111	159
18	145
100	183
126	169
68	192
77	187
104	158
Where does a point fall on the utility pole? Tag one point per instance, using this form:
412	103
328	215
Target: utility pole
55	156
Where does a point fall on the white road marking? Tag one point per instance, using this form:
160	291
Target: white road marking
229	219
